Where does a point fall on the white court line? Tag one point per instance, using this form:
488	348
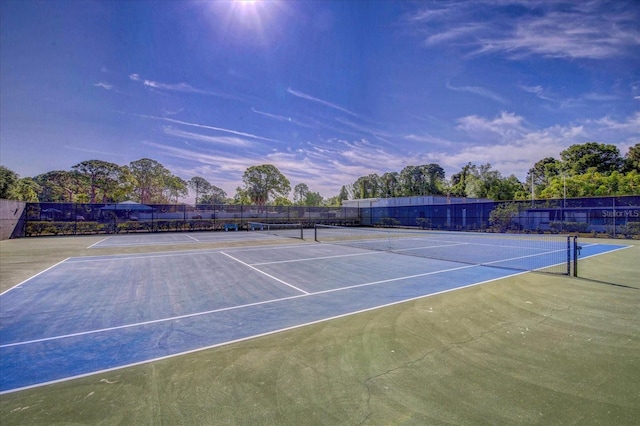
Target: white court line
95	244
472	243
30	278
600	254
116	257
264	273
368	253
151	242
529	255
430	247
151	255
481	263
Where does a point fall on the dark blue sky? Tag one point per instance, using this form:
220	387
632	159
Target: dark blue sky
326	91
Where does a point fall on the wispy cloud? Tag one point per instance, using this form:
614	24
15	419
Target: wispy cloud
578	101
204	126
282	118
600	97
320	101
109	154
481	91
540	92
367	130
107	86
167	112
179	87
272	116
217	140
558	29
429	139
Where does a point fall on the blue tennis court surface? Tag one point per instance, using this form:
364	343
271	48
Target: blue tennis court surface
91	314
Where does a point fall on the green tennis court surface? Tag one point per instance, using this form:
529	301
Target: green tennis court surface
158	301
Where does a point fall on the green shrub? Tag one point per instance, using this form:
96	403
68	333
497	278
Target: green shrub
88	228
423	222
631	229
388	222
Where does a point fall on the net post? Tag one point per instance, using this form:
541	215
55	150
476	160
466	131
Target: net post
576	252
315	232
569	255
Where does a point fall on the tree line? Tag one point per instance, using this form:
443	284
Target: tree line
583	170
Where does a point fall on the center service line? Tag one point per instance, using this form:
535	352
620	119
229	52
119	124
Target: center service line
264	273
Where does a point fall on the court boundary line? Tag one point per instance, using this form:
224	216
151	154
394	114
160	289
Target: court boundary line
106	257
600	254
34	276
307	259
98	242
230	342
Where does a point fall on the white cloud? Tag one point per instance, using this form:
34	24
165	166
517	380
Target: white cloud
506	125
631	124
519	146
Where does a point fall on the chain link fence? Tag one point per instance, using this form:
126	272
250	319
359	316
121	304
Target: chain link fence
601	216
44	219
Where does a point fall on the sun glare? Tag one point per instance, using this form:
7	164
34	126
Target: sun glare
248	19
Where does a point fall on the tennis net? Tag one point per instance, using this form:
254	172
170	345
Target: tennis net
545	253
289	230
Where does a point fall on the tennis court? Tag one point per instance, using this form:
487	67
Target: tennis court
97	313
